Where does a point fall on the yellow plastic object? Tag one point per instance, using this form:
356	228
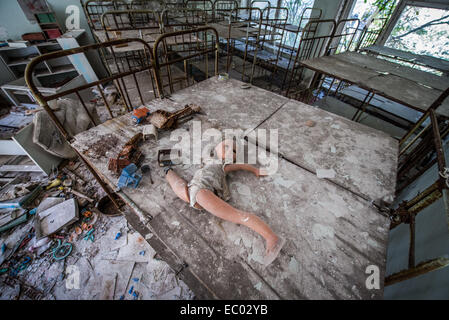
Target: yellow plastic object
54	183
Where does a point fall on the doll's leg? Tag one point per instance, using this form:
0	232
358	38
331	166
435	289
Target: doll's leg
178	185
213	204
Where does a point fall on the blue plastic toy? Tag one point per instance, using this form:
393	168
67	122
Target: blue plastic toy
129	177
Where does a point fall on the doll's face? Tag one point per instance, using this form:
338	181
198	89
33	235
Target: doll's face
225	151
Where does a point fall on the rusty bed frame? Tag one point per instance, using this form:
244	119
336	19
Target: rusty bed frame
424	139
314	46
152	66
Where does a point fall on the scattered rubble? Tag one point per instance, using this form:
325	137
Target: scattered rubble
67	248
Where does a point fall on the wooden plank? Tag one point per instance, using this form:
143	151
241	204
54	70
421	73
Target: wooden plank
407	92
393	87
382	65
432	62
327	227
341	69
228	104
364	159
223	31
332	234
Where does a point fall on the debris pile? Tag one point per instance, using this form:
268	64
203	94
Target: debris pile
56	243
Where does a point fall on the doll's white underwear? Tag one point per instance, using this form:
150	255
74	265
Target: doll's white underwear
211	177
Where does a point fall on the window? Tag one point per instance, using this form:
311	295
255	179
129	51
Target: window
423	31
373	16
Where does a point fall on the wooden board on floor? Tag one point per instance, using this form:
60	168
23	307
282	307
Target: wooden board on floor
228	104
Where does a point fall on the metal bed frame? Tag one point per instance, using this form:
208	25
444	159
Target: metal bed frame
222	8
93	9
338	41
178	20
252	18
310	46
343	37
189	54
117	21
260	1
419	150
206	5
116	79
174	4
146	5
368	35
297	34
127	20
272	34
181	19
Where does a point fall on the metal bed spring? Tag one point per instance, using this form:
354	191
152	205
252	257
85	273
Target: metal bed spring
310	46
250	18
116	79
205	44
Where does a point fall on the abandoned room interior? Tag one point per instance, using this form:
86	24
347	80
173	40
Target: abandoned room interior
227	149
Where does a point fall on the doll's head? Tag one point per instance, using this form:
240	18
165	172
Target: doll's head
225	151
